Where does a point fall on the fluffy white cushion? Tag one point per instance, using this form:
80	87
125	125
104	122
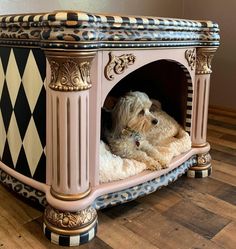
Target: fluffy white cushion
114	168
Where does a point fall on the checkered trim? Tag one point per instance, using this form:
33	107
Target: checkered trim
97	18
188	120
23	111
69	240
199	173
105	31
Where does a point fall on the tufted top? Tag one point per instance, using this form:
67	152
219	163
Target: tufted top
79	29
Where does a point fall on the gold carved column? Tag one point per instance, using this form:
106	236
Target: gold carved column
200	109
68	144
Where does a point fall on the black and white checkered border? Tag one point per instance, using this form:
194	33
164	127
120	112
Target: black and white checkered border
189	107
99	31
70	240
199	173
99	18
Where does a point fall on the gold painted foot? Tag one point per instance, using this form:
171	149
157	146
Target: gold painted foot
70	228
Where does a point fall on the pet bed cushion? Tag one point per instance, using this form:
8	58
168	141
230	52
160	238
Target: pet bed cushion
113	168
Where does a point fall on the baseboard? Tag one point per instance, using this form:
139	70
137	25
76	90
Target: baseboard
223	111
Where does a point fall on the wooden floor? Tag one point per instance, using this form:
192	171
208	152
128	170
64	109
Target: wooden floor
191	213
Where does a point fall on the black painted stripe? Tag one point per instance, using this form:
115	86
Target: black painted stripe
91	18
151	21
64	240
198	174
20	19
11	19
72	16
139	20
110	19
47	233
99	19
189	107
52	17
84	238
31	18
125	20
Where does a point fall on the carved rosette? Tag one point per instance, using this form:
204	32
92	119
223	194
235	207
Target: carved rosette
70	72
203	159
190	56
118	64
203	60
64	220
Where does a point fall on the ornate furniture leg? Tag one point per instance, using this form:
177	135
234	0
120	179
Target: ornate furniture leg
68	147
201	99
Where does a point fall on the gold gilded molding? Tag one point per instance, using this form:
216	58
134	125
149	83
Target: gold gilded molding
118	64
190	56
203	60
70	197
70	71
67	221
70	232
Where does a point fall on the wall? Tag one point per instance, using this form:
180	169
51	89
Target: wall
171	8
223	81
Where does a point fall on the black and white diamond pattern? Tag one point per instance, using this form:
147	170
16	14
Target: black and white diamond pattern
23	111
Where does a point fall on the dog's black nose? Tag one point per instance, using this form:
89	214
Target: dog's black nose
154	121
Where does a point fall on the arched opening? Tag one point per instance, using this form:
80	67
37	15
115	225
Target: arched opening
165	80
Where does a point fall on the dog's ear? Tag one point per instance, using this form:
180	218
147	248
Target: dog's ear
120	115
110	102
156	105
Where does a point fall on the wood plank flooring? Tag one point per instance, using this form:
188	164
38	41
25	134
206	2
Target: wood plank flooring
190	213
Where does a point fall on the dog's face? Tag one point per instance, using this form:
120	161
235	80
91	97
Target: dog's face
133	111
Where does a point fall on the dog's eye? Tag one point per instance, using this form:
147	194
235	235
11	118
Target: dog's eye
141	112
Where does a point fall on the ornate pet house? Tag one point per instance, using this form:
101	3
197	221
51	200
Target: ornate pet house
57	69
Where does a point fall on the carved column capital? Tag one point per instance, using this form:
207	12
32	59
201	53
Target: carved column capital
203	60
70	71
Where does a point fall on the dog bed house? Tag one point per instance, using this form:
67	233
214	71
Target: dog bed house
56	71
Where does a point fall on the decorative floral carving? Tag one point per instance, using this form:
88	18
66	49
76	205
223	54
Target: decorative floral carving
191	58
203	60
70	220
69	74
118	64
203	159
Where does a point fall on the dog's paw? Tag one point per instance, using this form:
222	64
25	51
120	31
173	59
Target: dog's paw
164	166
165	159
154	165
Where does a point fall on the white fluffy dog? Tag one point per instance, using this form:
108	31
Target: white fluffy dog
148	136
168	137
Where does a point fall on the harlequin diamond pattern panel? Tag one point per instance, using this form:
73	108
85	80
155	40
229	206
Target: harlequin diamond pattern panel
23	111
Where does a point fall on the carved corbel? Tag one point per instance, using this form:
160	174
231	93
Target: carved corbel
190	56
118	64
203	60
